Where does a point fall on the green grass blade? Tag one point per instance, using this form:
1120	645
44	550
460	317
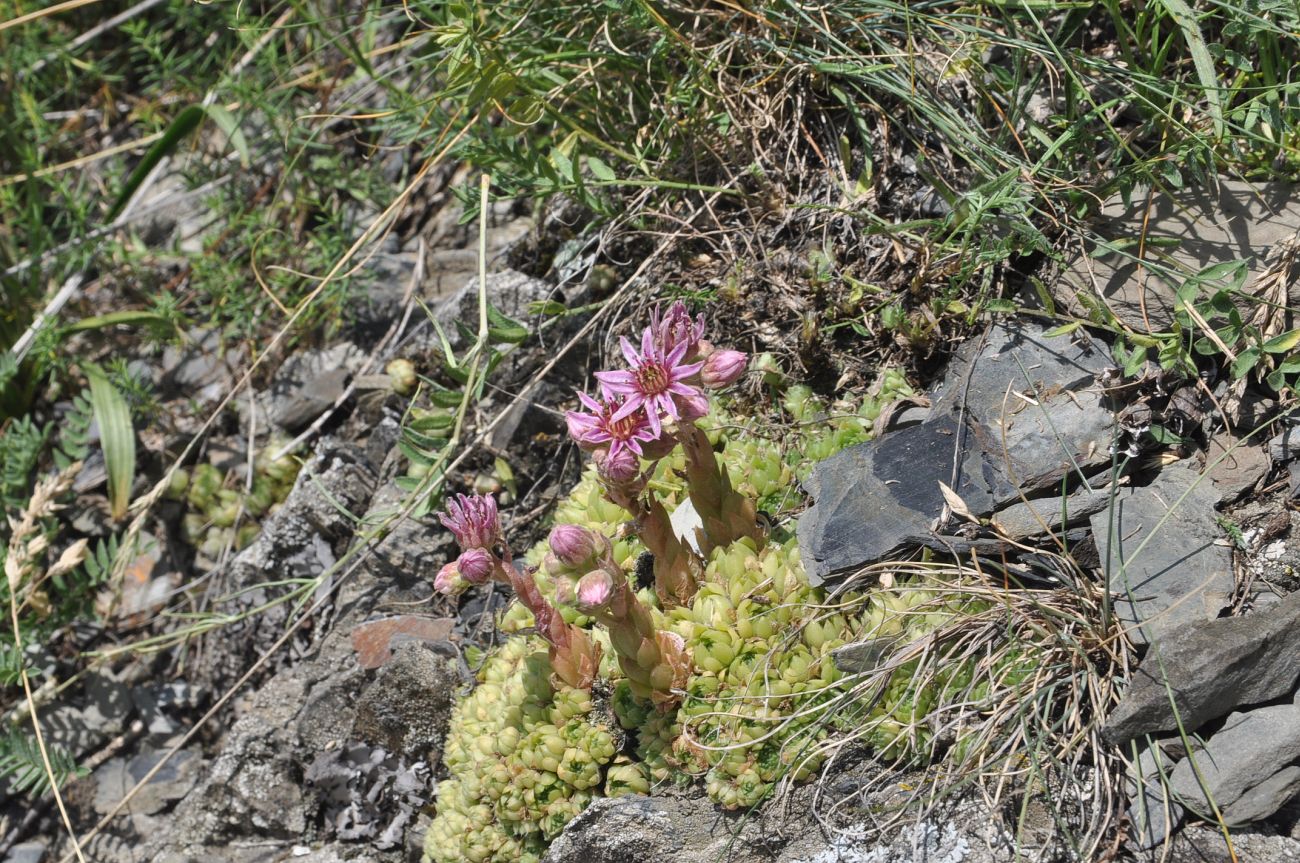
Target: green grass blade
1201	59
186	122
116	437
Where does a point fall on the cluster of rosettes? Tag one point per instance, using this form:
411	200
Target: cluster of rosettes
525	759
762	645
527	752
217	500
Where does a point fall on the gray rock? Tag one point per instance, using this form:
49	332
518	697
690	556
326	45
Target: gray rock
406	708
1211	668
297	541
1285	446
1153	813
27	852
1017	413
172	782
1234	466
509	291
1244	765
1035	517
635	829
199	369
299	408
860	657
1184	232
1160	549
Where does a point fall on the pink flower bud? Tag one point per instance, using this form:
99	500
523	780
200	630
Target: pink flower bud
692	407
476	565
449	581
572	545
594	590
620	467
722	368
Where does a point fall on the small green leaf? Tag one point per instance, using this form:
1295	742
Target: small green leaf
227	123
445	398
999	305
546	308
1246	360
1062	330
116	438
504	329
1282	344
600	170
113	319
563	164
1163	435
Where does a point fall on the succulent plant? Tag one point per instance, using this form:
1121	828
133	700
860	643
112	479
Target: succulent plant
527	751
222	511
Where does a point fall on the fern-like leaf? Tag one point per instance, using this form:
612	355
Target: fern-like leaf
20	759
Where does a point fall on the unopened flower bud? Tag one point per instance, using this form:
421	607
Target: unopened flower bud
692	407
449	581
594	590
401	374
476	565
722	368
572	545
621	467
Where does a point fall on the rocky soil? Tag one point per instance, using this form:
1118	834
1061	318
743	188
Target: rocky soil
323	731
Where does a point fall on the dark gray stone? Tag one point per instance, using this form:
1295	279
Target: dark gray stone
172	782
1235	466
1285	446
1035	517
1211	668
1245	766
510	292
1160	549
1016	415
406	709
1153	813
301	407
862	656
1183	233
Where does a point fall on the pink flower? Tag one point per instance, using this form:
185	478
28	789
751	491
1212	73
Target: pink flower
722	368
473	520
595	589
653	381
677	328
449	581
604	425
572	545
476	565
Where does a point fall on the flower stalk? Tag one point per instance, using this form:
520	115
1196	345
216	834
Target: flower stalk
654	660
485	556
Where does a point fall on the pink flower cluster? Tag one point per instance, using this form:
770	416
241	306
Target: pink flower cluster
475	523
664	381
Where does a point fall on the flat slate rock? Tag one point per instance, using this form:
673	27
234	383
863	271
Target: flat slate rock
1211	668
1153	814
1163	555
1245	766
1017	412
1184	232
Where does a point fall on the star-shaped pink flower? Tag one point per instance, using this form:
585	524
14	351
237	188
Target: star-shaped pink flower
604	426
652	382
